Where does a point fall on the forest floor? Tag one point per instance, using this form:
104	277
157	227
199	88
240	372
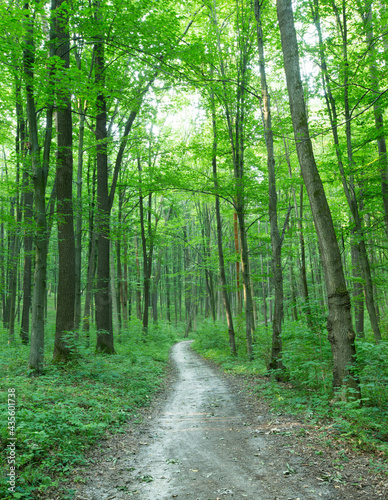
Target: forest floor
207	437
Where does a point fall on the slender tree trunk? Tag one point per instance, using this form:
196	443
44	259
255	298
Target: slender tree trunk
351	194
302	262
341	333
348	184
27	268
276	241
358	292
15	205
40	172
238	259
205	222
113	288
123	277
138	285
91	271
66	243
221	261
367	17
89	284
78	234
168	297
303	273
13	262
155	286
103	298
27	200
188	283
147	254
264	292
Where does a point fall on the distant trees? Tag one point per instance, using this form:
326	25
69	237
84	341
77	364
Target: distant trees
188	161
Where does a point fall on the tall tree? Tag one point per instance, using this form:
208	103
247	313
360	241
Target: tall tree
66	242
347	181
103	297
276	240
221	260
236	130
339	324
40	167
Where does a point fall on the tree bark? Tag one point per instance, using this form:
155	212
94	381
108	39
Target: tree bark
236	137
339	324
26	208
276	362
103	298
91	256
221	261
39	173
78	233
147	253
63	344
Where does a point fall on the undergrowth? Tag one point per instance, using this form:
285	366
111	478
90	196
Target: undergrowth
308	391
60	414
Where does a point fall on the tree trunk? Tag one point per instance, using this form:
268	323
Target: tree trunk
103	298
155	287
40	172
188	283
264	292
27	268
276	242
78	234
91	255
113	288
358	292
348	184
205	222
138	285
367	16
27	200
15	206
168	298
221	262
238	258
340	328
66	244
147	254
123	277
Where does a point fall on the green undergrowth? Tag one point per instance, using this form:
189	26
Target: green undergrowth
308	390
60	414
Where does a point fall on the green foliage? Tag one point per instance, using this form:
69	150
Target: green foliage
211	336
307	357
212	342
373	368
62	413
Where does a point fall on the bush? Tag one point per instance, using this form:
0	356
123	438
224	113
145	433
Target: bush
62	413
212	335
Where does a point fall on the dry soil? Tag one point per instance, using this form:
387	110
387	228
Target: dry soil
207	438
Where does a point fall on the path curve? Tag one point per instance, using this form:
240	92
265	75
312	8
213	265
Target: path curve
200	447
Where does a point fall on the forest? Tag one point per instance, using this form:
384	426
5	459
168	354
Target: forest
206	169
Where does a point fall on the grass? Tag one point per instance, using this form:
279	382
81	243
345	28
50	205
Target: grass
62	413
308	392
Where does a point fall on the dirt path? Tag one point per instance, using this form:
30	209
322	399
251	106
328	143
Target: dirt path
208	442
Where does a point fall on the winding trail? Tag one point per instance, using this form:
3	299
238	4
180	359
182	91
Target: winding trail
200	447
